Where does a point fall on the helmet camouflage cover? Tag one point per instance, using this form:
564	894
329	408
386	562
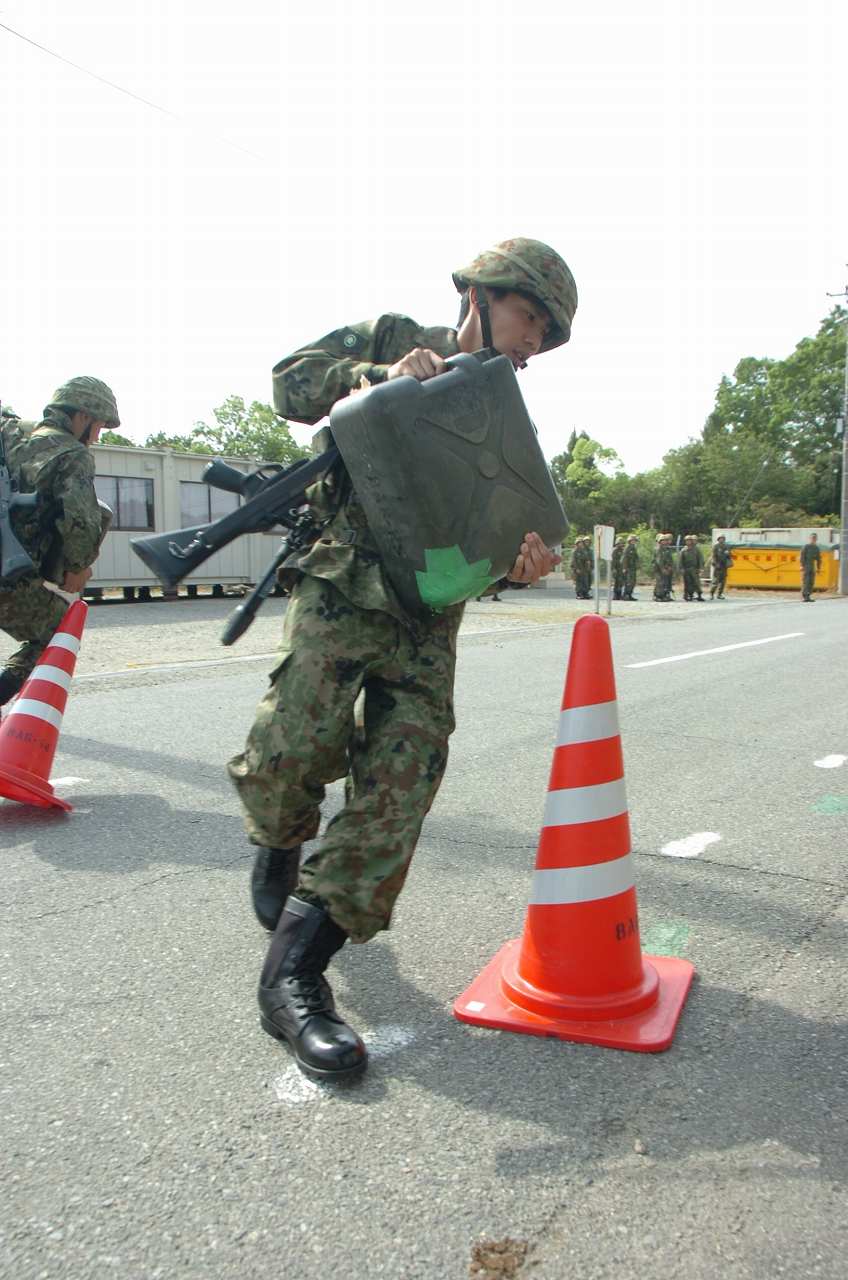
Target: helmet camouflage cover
527	266
89	395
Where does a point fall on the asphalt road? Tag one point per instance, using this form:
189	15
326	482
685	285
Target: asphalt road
149	1128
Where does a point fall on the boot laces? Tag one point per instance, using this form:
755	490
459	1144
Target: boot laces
311	994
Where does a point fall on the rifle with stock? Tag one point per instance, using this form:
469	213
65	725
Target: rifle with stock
274	495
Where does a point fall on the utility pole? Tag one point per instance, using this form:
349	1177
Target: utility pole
843	427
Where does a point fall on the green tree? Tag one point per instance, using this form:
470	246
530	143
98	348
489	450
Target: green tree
115	437
237	432
789	407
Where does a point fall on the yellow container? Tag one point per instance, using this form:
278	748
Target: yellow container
778	567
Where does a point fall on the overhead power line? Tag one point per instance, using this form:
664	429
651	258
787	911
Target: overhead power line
165	111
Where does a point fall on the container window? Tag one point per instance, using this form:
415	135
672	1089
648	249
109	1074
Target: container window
200	503
131	500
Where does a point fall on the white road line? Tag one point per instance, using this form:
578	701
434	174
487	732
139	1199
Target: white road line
142	670
690	846
725	648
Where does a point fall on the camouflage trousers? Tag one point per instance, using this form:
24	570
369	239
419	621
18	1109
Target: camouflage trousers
691	582
31	613
629	582
719	581
663	585
304	737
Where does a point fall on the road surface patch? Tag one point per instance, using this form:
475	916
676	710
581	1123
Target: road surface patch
666	938
830	804
690	846
292	1088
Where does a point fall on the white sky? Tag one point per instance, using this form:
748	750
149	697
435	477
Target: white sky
686	158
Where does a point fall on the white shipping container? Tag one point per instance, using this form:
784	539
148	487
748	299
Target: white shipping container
157	490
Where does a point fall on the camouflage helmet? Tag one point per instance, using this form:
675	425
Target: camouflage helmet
527	266
89	395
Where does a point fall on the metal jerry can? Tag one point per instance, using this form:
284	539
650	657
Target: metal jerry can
450	476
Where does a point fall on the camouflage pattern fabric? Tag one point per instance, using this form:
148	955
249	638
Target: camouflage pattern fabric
62	533
691	564
304	737
662	567
722	559
63	530
91	396
346	630
29	612
630	567
581	569
617	569
527	266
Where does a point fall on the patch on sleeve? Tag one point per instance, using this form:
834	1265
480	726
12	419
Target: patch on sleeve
351	340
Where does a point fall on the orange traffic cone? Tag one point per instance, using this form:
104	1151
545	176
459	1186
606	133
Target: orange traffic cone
578	973
30	730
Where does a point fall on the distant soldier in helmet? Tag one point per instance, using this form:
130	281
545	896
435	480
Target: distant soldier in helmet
617	567
662	566
722	559
581	568
62	533
630	563
346	631
810	564
691	566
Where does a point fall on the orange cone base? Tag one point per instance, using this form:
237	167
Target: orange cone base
28	788
486	1004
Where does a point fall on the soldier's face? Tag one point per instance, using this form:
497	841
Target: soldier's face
519	327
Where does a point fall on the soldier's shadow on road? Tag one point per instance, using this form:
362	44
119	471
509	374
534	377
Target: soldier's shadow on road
742	1072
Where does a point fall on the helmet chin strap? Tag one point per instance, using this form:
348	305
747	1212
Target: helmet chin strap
483	312
486	324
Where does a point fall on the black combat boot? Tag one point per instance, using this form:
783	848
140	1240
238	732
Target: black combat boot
11	682
273	878
295	1000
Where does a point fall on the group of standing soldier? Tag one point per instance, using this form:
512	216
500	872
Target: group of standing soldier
624	566
690	565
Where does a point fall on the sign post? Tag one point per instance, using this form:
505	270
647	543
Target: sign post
602	544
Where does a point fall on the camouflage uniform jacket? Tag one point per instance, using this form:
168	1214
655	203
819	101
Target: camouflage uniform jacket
631	557
811	556
691	558
721	556
581	561
64	527
306	386
617	558
663	560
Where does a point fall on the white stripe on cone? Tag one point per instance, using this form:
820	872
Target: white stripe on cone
54	675
561	885
41	710
588	724
585	804
62	640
